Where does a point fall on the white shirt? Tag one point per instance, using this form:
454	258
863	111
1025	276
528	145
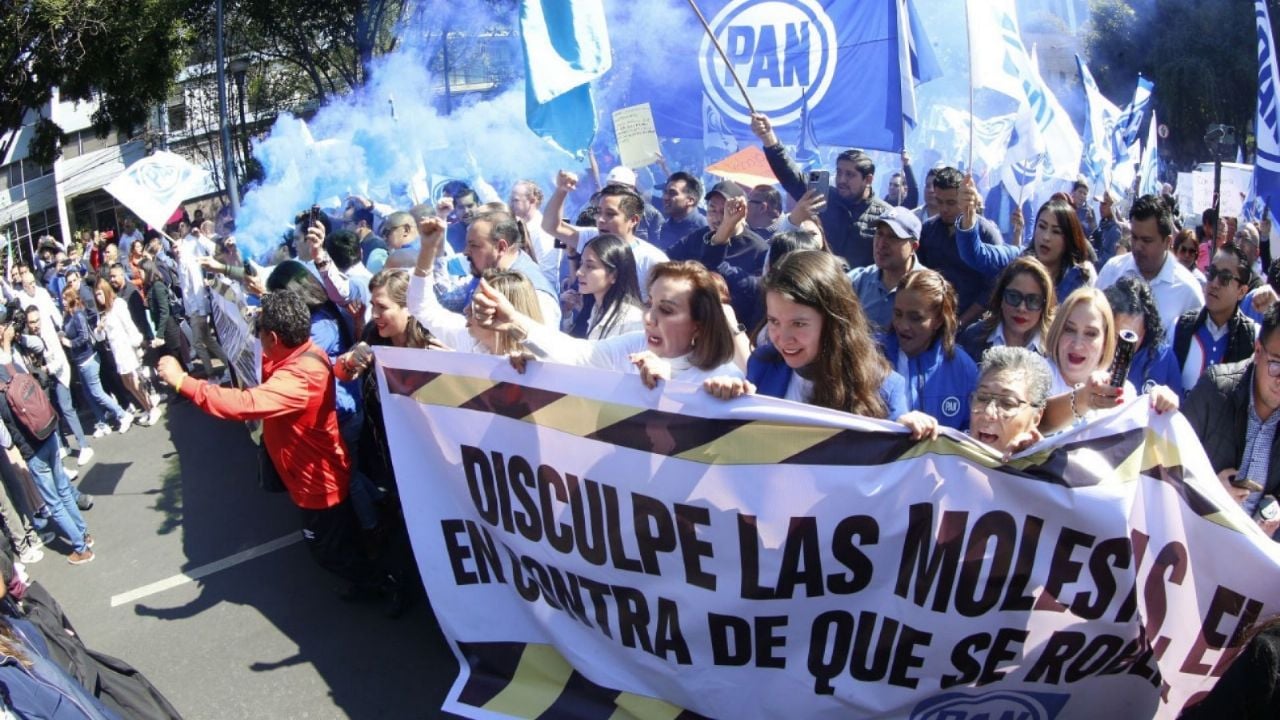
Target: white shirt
630	319
798	389
1060	386
646	253
1175	289
996	338
544	246
449	327
190	249
43	302
615	354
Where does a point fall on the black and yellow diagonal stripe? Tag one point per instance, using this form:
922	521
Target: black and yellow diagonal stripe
1118	458
535	682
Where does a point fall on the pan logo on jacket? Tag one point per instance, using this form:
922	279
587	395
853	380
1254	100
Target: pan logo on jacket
784	51
986	706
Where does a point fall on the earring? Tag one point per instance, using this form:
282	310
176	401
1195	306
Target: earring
694	342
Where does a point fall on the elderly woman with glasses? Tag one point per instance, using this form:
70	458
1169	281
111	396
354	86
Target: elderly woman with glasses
1005	409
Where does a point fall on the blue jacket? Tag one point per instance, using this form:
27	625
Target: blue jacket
76	327
771	375
332	333
991	259
936	384
44	690
939	251
1155	367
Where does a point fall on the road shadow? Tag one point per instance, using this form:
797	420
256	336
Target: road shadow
373	667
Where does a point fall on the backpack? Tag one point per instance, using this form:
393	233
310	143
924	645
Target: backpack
29	403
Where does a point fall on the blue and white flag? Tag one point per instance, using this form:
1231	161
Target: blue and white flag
1001	64
1124	139
1099	128
1129	124
1266	171
1020	171
1149	175
845	60
566	46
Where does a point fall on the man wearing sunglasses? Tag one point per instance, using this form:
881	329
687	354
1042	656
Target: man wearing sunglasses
1219	332
1235	409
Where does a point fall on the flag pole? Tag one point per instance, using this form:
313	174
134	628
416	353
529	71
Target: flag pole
707	27
968	39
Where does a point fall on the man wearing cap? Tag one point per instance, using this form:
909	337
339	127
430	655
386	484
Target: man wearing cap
1108	233
650	227
728	247
849	213
897	239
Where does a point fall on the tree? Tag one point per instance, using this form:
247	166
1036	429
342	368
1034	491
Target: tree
122	53
1201	56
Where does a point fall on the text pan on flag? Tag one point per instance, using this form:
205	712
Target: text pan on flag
847	60
592	547
154	186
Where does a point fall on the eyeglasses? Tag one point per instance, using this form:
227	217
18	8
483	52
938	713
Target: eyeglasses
1223	276
1032	302
1273	368
1005	406
1188	250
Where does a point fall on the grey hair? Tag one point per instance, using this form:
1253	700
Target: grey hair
1006	358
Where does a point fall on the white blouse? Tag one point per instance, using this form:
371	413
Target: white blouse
615	354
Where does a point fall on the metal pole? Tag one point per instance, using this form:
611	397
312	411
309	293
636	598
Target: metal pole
448	91
244	127
1217	195
228	160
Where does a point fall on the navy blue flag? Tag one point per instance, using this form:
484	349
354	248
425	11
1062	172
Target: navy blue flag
841	59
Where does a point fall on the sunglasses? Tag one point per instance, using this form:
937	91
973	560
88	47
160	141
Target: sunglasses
1188	250
1223	276
1030	301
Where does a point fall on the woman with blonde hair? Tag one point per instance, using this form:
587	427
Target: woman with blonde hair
1082	347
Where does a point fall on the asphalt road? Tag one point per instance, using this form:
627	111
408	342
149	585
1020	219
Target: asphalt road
265	637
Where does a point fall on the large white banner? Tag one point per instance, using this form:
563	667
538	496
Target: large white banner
595	549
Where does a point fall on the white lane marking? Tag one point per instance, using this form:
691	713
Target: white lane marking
205	570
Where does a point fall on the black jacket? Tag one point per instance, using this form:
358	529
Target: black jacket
1240	335
1218	410
850	227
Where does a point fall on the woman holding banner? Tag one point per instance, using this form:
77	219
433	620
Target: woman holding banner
686	334
922	348
1082	346
816	328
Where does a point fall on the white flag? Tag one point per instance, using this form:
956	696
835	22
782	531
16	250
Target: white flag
1002	64
154	186
1149	180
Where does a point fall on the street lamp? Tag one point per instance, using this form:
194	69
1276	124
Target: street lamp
238	68
1221	140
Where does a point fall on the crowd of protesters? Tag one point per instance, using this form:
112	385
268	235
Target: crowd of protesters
931	316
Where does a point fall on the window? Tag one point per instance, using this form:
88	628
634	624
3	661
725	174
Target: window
177	118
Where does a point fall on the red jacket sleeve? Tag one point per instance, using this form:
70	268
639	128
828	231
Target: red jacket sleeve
286	391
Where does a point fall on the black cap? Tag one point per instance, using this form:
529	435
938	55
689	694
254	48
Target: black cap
726	189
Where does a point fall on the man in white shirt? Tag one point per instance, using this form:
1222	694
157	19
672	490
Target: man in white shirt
30	293
526	204
621	210
195	300
1175	289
